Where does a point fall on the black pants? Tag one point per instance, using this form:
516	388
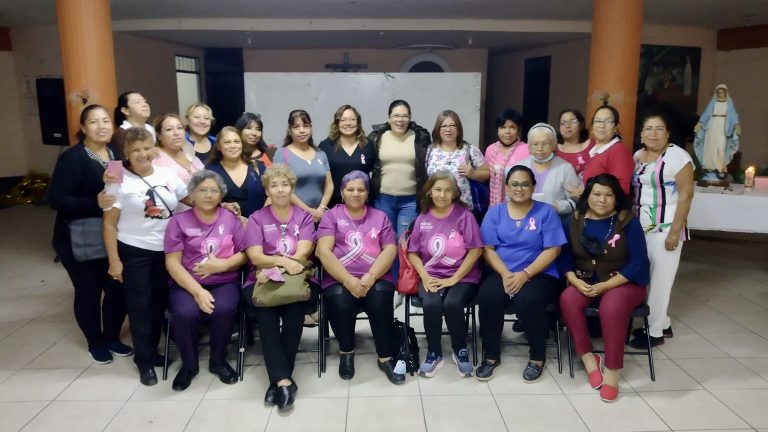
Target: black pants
450	302
343	308
146	295
99	318
280	329
530	304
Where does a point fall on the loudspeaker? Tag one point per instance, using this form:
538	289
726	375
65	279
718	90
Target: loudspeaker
52	110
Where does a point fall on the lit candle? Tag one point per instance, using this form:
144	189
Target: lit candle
749	177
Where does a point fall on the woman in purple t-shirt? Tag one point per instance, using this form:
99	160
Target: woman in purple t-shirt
444	248
279	235
522	239
203	253
356	244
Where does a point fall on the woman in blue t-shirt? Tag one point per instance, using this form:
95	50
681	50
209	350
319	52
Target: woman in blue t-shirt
522	238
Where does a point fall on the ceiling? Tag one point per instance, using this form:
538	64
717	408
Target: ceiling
378	23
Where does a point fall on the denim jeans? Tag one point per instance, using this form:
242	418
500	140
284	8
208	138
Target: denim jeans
401	211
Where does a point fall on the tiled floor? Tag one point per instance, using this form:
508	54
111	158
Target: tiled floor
713	375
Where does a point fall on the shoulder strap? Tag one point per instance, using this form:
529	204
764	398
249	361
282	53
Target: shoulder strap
170	212
469	154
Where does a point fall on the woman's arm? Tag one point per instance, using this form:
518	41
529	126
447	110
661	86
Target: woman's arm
469	261
330	261
109	232
545	258
327	191
383	263
492	259
684	182
181	276
214	265
480	174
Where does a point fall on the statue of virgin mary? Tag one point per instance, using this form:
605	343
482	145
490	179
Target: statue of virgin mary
717	135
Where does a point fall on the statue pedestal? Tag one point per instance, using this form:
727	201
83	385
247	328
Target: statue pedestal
714	178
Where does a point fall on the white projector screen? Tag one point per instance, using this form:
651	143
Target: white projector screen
274	95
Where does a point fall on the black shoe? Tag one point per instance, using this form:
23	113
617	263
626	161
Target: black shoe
286	396
388	367
666	333
226	374
484	372
641	341
517	327
270	397
184	379
119	349
347	366
532	372
159	361
147	376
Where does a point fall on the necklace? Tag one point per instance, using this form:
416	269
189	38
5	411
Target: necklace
610	227
352	221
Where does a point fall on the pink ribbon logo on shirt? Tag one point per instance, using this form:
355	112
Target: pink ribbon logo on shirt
285	246
296	231
613	241
531	224
580	160
362	159
438	247
356	243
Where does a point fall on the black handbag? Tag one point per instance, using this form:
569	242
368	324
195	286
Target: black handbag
86	239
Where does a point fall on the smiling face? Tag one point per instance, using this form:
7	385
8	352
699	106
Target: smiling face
140	155
251	134
541	144
354	194
279	191
97	127
654	134
171	134
448	131
230	146
508	132
602	201
207	195
399	119
199	121
137	108
443	193
300	131
520	187
348	123
604	126
569	126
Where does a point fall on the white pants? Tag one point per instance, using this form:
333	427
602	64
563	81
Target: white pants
664	265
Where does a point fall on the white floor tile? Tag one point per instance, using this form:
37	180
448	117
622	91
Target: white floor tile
445	413
690	346
229	415
15	415
151	416
398	413
669	376
750	405
535	413
37	384
370	381
66	416
722	374
627	413
740	344
316	414
113	382
695	409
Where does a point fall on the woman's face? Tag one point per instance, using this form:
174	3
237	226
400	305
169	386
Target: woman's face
541	144
519	187
604	126
442	194
98	126
602	201
230	146
200	121
448	131
354	194
348	123
508	132
279	191
137	107
207	195
399	119
171	134
140	155
300	132
654	134
251	134
569	126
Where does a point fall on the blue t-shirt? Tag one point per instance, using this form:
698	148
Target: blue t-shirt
310	175
519	243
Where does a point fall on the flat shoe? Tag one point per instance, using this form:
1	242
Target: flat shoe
183	379
286	396
147	376
226	374
347	366
270	398
608	393
596	376
532	372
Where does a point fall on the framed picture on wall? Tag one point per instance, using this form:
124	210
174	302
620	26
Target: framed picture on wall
669	81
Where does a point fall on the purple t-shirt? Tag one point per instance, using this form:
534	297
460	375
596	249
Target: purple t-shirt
275	237
358	242
442	243
519	243
196	239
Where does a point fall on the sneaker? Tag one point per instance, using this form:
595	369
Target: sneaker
431	365
484	372
100	355
119	349
463	365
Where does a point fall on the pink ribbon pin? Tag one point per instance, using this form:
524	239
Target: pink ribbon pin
532	224
613	241
296	231
362	159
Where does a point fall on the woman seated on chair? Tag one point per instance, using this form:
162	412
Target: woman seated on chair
203	256
356	244
522	238
280	235
606	266
444	248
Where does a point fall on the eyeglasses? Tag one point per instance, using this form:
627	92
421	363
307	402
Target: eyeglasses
446	127
209	191
603	122
520	186
348	120
399	116
569	122
659	129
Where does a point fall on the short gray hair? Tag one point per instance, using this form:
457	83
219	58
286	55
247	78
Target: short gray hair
203	175
545	127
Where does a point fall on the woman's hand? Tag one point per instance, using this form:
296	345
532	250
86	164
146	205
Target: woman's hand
598	289
697	128
574	190
438	284
291	266
105	200
582	286
517	281
208	266
204	300
116	270
233	207
465	170
672	241
108	178
317	213
355	288
367	281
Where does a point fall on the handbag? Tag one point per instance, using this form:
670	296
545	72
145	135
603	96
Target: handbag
407	278
481	196
292	288
86	238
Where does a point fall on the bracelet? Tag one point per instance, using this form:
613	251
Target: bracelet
673	237
528	273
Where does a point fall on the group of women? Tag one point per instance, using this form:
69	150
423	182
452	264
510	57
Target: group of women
190	211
